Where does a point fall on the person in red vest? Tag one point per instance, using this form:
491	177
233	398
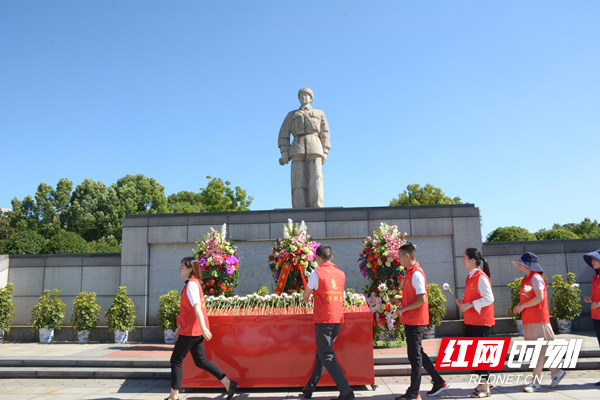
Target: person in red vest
192	330
326	283
533	308
593	260
478	307
414	314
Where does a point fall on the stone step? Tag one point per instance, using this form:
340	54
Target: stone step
395	359
144	369
83	373
404	369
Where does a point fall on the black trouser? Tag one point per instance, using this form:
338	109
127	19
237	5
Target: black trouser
325	335
418	359
184	345
597	329
478	331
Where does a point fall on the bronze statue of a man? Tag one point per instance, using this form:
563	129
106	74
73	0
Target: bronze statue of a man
308	151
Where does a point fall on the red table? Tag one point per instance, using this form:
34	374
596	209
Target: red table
279	351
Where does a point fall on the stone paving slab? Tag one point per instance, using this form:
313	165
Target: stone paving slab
577	385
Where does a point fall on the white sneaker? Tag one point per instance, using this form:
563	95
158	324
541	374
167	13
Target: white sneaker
557	378
532	387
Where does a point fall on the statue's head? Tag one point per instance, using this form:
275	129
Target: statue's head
303	95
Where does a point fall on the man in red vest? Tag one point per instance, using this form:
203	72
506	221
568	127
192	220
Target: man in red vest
414	314
327	285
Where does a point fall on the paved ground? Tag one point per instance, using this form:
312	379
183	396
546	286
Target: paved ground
577	385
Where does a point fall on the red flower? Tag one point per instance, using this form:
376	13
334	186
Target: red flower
395	263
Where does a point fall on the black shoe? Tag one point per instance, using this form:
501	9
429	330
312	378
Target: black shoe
597	383
408	396
437	388
231	391
306	393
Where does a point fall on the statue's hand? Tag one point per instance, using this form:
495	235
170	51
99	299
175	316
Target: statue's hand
284	158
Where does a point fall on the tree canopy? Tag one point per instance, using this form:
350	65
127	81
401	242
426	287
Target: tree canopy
415	195
93	213
510	234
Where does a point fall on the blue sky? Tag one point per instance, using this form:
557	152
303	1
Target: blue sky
497	102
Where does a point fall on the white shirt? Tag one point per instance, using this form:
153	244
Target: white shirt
193	293
313	281
537	282
485	290
418	283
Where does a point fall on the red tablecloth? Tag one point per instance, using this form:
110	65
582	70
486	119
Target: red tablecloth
279	351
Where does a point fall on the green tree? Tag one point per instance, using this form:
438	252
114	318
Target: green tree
45	214
84	216
586	229
217	196
415	195
131	195
510	234
24	242
66	243
185	202
556	233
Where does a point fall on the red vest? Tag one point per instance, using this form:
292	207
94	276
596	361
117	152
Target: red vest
596	295
538	314
420	315
187	321
472	317
329	295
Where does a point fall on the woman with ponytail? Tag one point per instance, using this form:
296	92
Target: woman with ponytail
536	317
478	307
192	330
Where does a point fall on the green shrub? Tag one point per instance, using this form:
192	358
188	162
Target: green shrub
515	298
566	296
437	304
49	312
7	308
555	234
85	312
510	234
121	314
66	243
24	242
168	310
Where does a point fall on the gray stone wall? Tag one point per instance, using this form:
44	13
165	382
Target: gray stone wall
71	273
153	246
4	263
556	257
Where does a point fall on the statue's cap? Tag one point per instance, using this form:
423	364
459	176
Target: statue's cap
307	91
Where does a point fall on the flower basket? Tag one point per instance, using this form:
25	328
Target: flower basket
379	262
565	301
293	258
219	263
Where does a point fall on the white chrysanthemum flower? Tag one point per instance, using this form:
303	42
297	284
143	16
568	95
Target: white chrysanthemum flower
223	231
527	288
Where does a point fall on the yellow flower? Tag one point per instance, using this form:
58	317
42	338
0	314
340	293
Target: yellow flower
388	264
379	262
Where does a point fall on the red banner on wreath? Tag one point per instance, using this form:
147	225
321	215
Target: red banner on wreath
285	271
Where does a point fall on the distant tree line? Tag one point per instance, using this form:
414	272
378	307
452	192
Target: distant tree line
89	219
583	230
